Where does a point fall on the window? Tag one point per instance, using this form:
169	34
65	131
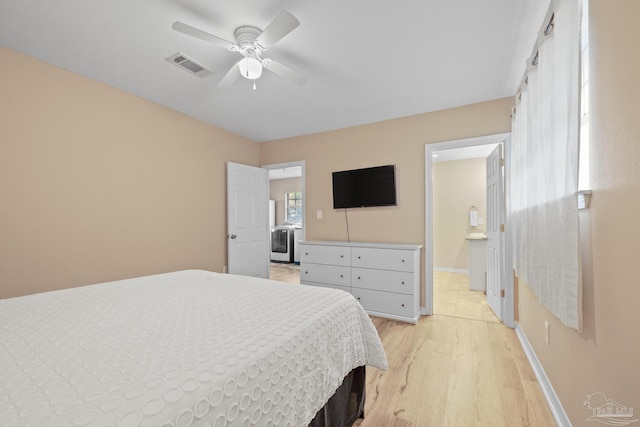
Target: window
583	168
584	192
293	207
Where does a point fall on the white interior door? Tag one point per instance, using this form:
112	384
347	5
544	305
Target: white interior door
247	220
495	230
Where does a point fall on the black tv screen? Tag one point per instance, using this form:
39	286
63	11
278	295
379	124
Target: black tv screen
357	188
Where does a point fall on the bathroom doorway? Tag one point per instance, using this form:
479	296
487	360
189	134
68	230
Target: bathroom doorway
455	183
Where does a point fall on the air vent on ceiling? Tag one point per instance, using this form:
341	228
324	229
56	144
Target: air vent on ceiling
180	60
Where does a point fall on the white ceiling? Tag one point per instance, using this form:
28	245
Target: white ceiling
366	60
289	172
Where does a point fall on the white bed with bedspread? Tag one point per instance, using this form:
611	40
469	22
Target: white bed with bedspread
190	348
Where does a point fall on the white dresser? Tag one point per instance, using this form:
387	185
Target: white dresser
383	277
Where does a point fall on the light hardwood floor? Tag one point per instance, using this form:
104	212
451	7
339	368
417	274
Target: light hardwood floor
451	371
452	297
282	272
456	368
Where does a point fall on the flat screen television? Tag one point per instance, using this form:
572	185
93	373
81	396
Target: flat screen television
357	188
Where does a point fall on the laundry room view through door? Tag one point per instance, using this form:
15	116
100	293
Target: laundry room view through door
286	219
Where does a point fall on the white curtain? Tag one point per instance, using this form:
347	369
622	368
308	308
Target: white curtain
544	181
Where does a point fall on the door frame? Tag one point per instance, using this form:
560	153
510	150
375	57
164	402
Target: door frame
508	306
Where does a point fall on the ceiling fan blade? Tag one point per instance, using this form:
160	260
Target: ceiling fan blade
280	27
284	71
232	75
202	35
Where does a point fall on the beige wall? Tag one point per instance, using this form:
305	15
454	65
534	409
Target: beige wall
457	185
604	356
97	185
400	142
277	188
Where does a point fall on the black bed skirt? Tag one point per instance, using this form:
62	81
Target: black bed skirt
347	403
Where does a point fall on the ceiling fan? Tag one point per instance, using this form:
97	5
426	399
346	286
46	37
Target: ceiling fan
251	43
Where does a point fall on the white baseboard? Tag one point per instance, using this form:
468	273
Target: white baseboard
451	270
562	420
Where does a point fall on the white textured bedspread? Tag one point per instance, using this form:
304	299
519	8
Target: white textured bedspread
190	348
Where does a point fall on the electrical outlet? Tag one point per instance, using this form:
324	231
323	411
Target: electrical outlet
546	332
319	214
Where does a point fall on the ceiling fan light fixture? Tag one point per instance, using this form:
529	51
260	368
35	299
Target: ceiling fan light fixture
250	68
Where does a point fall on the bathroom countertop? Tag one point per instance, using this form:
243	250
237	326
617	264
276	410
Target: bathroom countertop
476	236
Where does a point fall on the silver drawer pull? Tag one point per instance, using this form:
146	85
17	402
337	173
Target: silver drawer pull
403	283
403	305
341	276
359	278
402	260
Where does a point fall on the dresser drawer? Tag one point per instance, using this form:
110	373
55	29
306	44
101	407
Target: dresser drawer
318	254
329	274
383	259
326	285
401	282
401	305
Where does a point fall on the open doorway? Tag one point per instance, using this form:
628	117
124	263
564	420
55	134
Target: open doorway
286	219
456	207
459	232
